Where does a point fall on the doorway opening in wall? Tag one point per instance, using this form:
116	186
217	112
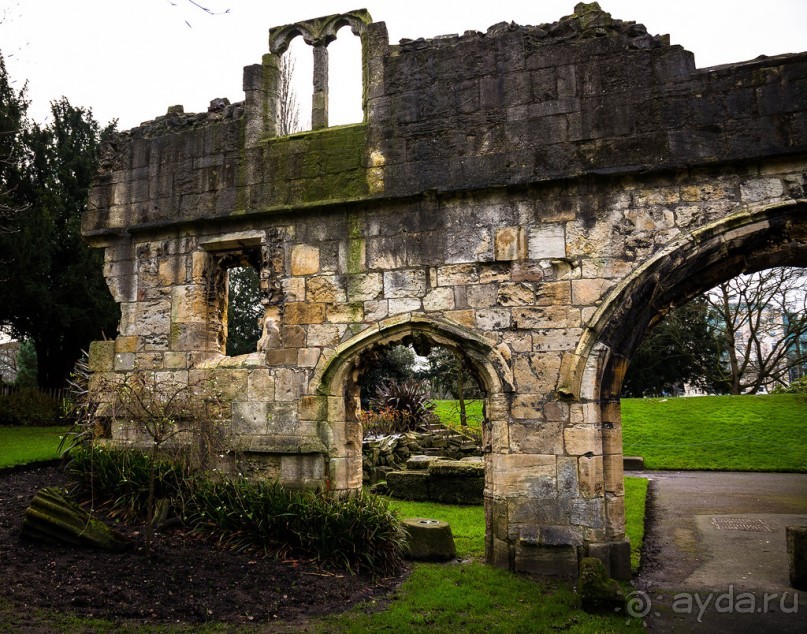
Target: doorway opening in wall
725	285
244	310
419	406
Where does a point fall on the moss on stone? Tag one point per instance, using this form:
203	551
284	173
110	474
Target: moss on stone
598	592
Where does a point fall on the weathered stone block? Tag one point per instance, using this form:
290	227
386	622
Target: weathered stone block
404	305
547	241
510	244
324	335
325	289
175	360
516	294
290	384
281	356
405	283
294	289
536	437
582	439
547	561
428	540
519	472
345	313
481	295
304	313
249	417
590	513
304	259
126	344
102	356
598	592
409	485
308	357
537	373
454	274
260	385
303	471
439	299
492	319
589	292
364	287
590	476
313	408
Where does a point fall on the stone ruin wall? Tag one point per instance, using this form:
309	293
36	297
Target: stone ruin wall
502	190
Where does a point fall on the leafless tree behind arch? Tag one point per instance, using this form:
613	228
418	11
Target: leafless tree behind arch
288	106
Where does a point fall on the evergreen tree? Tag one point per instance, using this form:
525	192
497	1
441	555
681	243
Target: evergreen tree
52	289
680	349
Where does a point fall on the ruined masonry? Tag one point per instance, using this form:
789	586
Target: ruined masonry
533	196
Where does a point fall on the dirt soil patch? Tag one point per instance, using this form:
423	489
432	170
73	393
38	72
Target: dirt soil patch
187	580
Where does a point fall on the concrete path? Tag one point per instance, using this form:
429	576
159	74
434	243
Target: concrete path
715	555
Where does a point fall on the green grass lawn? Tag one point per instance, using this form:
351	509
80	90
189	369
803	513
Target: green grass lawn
730	433
635	501
473	597
21	445
467	596
727	433
449	412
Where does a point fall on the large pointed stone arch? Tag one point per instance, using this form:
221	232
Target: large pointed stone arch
750	240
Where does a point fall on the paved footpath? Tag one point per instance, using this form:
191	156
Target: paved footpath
715	553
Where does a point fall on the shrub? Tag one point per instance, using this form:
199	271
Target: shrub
385	421
798	386
359	534
28	407
119	478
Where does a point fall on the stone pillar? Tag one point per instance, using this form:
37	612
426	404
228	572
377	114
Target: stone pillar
319	101
797	555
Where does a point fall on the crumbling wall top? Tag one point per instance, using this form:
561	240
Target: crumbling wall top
587	21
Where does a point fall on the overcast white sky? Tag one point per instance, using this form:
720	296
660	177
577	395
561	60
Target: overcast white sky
131	59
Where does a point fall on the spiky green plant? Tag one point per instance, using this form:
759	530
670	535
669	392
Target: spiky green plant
409	398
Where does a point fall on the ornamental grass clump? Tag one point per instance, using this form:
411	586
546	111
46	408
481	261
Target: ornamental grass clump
406	403
118	479
359	534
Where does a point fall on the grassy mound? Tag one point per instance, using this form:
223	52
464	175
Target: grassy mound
728	433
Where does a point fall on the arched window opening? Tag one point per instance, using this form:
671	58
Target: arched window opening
294	89
313	69
345	79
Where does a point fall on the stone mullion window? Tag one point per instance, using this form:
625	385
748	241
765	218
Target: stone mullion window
318	33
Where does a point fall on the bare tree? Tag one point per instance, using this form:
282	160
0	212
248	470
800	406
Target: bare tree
166	413
288	106
761	320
